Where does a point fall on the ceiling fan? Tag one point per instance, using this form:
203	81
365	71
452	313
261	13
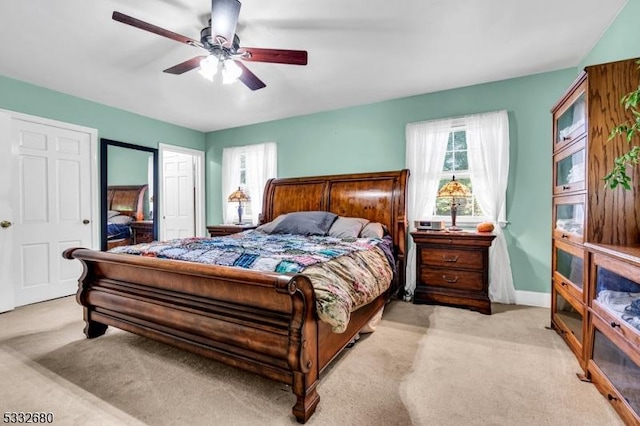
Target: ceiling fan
222	44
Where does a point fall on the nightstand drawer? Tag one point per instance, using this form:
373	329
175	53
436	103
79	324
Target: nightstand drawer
453	258
460	280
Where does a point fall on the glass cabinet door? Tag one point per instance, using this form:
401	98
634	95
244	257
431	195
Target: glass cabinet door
619	368
569	169
570	120
568	318
568	268
571	317
617	290
569	218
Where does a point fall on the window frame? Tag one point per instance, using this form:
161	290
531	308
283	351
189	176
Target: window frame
463	220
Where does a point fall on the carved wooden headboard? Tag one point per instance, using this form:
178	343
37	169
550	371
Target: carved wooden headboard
127	199
379	197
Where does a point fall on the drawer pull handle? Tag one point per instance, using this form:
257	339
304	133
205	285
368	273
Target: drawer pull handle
450	258
565	187
563	284
564	236
450	280
614	324
611	397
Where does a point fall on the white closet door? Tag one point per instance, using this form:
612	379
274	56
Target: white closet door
52	209
178	196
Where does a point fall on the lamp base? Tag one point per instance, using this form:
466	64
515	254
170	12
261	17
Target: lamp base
454	228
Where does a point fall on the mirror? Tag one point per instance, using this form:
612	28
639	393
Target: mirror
129	204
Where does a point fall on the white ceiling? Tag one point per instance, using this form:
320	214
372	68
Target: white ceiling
360	51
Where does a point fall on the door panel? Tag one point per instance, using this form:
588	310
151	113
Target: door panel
51	199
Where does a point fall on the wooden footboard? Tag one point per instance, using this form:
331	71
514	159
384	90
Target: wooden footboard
263	323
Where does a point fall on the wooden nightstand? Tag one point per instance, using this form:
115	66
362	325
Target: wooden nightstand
222	230
453	269
141	231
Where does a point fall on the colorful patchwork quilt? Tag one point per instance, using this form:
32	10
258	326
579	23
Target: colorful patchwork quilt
346	273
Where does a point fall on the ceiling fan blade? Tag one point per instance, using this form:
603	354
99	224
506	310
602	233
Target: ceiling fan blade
278	56
224	18
126	19
248	78
186	65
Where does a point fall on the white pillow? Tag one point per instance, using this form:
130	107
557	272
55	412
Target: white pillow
372	230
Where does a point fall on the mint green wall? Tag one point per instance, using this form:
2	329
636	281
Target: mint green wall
112	123
620	41
372	138
127	166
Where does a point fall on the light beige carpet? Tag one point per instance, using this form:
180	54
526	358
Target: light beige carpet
424	365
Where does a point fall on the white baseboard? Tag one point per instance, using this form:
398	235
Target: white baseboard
533	298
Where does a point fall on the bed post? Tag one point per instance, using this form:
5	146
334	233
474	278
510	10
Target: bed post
303	348
307	397
400	234
92	328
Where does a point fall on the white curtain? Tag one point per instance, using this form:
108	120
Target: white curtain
426	148
260	165
488	153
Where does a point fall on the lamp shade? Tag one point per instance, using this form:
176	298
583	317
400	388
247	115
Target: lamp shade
240	196
453	189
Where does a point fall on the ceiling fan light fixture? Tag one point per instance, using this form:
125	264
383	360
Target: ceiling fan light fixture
209	67
230	72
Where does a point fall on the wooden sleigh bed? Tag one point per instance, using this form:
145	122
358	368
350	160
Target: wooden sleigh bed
265	323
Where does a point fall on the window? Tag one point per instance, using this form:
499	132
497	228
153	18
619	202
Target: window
243	168
248	211
248	167
456	163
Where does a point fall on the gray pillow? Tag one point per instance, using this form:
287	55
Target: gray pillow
306	223
112	213
347	227
268	227
372	230
121	219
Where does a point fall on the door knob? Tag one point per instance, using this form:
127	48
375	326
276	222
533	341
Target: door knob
86	221
5	224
